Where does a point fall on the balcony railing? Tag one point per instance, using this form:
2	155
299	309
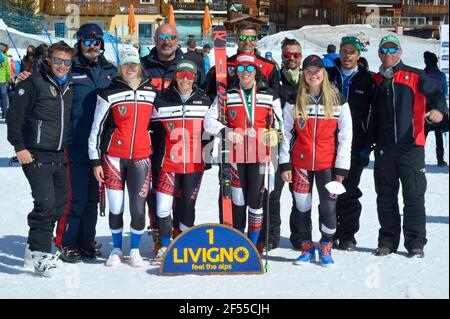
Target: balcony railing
385	22
91	8
438	10
200	6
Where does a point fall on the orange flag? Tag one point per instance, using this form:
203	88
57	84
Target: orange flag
206	23
131	20
171	17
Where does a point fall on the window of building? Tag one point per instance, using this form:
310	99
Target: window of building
147	1
60	29
145	32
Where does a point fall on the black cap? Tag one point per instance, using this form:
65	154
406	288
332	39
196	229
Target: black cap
89	30
313	60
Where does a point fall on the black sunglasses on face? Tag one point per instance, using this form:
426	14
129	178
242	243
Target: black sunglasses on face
58	61
94	42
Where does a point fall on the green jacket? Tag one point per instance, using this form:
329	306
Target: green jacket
5	72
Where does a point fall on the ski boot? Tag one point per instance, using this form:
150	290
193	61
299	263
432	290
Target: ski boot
159	257
69	254
308	255
91	251
46	264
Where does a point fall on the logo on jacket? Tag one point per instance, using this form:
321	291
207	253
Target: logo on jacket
406	78
233	114
170	126
21	92
231	70
301	122
122	110
53	91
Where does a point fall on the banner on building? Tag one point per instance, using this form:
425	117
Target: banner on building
444	51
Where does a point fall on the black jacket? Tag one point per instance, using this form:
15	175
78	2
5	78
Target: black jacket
414	94
39	116
359	98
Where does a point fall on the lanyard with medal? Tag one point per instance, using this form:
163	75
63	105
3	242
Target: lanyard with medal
249	101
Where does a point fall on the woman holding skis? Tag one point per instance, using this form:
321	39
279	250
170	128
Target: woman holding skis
252	110
180	114
317	146
120	150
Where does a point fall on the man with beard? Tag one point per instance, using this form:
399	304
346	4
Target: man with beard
355	83
90	72
291	56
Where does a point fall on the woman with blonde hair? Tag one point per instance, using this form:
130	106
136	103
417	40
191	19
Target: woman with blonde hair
317	146
120	150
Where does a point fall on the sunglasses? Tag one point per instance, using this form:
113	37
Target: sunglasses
188	75
251	38
163	37
248	68
289	55
94	42
390	50
59	61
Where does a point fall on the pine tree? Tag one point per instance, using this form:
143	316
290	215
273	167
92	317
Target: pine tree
27	5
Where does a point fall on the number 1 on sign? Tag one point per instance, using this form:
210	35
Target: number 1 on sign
211	236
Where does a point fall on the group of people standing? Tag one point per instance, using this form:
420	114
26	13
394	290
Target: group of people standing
77	121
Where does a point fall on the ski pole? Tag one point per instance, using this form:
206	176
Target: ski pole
267	180
13	43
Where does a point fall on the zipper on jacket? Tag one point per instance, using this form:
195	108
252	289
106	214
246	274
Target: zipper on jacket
395	112
134	125
61	134
314	138
38	140
183	119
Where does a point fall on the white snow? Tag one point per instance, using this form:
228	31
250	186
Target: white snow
357	274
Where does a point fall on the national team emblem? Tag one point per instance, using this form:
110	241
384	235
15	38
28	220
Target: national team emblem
233	114
231	70
53	91
122	110
170	126
406	78
21	92
301	122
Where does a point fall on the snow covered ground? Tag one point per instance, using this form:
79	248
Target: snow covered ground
357	274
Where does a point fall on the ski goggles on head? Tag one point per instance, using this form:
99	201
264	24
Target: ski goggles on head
94	42
388	50
248	68
290	55
183	74
162	37
251	38
59	61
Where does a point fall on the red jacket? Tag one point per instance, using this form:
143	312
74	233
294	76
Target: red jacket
317	143
180	126
121	122
253	149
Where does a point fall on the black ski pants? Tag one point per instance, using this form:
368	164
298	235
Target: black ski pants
405	164
50	190
348	206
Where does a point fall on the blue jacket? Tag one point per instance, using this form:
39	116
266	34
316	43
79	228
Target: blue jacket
88	79
328	59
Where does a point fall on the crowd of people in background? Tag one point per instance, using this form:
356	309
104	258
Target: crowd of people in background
76	121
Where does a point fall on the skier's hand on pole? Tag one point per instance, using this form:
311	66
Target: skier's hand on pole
24	157
287	176
98	173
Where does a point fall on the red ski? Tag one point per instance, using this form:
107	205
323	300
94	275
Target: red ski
220	53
